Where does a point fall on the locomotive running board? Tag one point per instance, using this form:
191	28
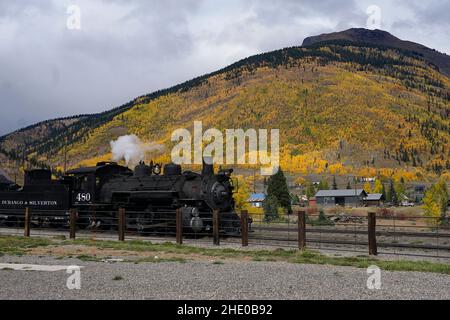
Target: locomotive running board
136	195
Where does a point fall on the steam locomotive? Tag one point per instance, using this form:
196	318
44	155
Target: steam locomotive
149	195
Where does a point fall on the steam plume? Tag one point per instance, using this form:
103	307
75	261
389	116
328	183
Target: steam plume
131	149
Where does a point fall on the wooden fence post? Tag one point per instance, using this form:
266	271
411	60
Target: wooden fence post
216	222
121	226
244	228
179	221
301	230
73	222
26	231
372	221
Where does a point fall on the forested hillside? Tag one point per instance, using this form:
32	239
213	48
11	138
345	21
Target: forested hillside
341	107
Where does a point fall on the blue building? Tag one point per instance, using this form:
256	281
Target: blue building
256	200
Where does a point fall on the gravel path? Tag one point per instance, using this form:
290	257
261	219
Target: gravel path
207	280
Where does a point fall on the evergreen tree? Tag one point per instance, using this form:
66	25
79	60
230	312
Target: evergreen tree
277	187
323	185
383	191
388	194
323	220
443	192
270	208
400	188
310	191
295	199
392	194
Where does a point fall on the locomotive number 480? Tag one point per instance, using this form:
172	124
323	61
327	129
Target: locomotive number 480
83	197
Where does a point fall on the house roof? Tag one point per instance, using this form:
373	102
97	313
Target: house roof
257	197
374	197
341	193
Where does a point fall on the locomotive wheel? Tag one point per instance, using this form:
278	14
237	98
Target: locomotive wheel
15	222
140	225
139	222
11	222
142	222
83	223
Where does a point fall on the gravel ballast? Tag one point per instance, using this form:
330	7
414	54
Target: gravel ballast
213	280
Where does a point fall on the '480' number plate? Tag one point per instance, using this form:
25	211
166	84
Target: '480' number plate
83	197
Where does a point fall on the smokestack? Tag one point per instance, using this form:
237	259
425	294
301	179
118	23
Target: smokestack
208	167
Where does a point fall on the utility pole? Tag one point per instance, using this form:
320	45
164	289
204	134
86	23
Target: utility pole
65	155
254	180
23	158
16	168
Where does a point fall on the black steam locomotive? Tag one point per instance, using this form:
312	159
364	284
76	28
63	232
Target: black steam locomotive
149	196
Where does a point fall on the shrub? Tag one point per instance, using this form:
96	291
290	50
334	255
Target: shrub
385	213
271	209
322	220
401	216
311	212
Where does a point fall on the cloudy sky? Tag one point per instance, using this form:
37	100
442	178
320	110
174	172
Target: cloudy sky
53	64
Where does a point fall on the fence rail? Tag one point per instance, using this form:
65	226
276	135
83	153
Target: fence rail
373	234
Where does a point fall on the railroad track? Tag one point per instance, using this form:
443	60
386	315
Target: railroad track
268	236
359	232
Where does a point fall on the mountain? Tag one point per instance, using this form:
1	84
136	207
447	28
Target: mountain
383	38
357	102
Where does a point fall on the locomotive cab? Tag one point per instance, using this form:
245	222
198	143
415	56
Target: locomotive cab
88	181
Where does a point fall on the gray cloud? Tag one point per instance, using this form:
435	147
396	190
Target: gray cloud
128	48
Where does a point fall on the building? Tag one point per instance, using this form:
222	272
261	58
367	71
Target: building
341	197
303	200
418	193
256	200
374	200
420	188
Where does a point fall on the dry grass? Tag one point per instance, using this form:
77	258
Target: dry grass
168	252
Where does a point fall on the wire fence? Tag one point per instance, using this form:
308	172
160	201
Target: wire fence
398	235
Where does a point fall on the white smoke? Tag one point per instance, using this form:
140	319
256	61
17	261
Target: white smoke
131	149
